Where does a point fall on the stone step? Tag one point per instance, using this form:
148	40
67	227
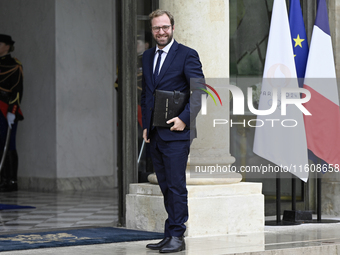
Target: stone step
213	209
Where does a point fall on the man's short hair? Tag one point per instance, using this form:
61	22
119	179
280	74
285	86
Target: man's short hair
160	12
6	39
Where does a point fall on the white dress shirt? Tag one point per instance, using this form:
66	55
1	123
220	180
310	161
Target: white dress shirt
165	53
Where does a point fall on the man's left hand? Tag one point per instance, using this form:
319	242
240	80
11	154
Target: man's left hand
179	125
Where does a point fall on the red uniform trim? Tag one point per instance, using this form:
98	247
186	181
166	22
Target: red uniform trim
4	108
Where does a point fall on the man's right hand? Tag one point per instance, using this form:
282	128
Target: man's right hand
145	134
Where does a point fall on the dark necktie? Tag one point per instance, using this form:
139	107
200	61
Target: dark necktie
156	72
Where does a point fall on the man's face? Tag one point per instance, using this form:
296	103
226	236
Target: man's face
4	48
162	37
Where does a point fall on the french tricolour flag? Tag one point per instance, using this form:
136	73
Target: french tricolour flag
323	126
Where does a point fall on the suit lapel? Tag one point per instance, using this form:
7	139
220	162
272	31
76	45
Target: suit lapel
168	60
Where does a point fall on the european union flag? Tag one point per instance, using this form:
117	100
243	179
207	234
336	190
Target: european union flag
299	39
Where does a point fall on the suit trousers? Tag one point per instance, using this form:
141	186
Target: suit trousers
170	161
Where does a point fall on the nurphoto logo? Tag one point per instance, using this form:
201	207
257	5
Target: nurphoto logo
279	99
238	100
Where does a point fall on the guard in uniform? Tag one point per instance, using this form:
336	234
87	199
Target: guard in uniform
11	88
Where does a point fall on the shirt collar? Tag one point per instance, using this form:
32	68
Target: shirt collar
166	48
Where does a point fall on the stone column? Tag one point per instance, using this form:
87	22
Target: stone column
204	26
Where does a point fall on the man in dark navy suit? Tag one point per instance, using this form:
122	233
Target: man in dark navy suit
171	66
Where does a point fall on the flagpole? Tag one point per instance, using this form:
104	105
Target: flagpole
318	198
278	199
300	49
293	193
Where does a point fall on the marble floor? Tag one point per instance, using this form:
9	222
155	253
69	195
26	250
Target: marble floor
311	239
99	208
58	210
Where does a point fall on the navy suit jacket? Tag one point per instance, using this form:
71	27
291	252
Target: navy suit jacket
181	64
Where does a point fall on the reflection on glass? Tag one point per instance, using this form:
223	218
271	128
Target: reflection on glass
249	28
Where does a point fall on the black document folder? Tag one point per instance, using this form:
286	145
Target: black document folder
168	104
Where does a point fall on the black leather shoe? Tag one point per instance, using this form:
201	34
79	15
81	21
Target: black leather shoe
174	245
9	187
157	246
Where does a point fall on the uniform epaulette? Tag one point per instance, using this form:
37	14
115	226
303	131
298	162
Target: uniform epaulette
17	60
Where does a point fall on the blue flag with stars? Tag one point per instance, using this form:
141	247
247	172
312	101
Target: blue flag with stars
299	39
300	48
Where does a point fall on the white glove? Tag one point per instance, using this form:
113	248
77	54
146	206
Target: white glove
10	119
